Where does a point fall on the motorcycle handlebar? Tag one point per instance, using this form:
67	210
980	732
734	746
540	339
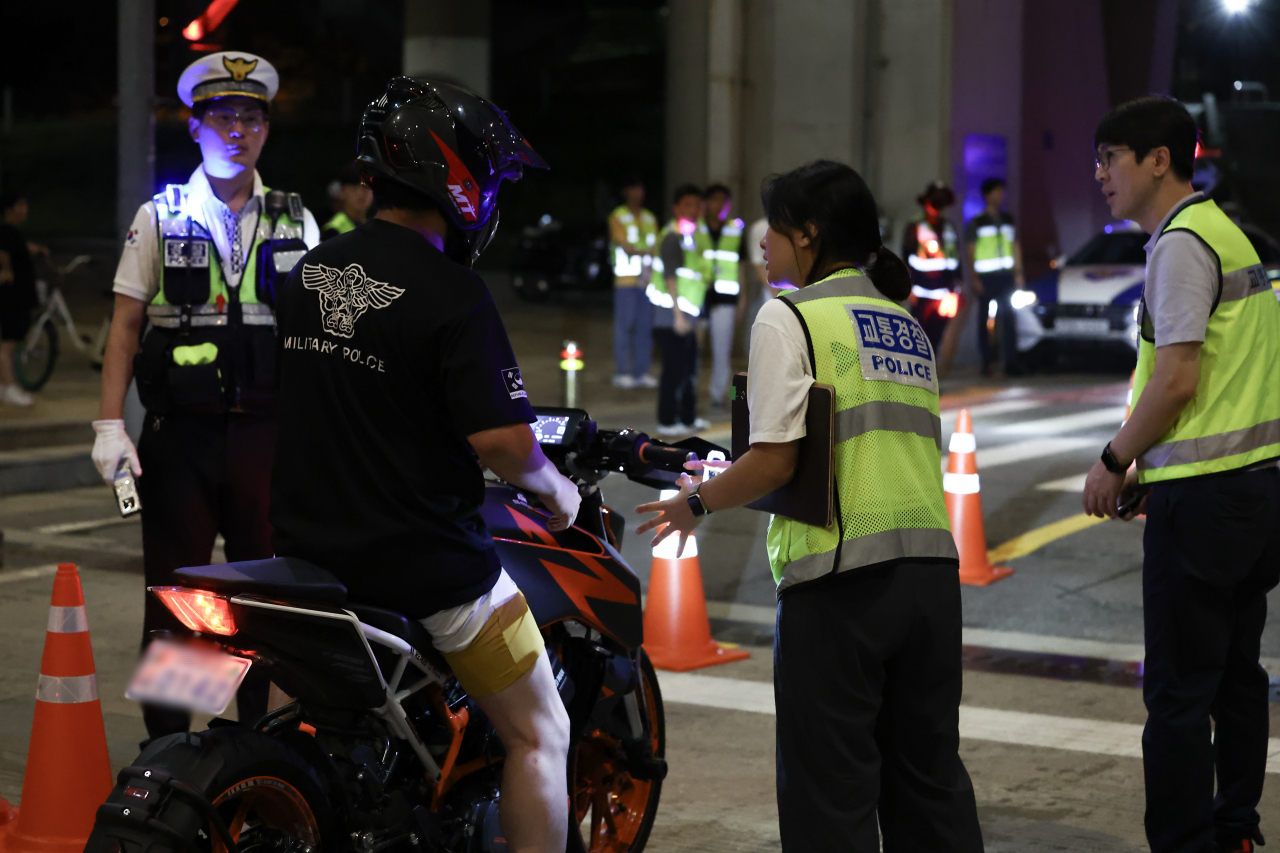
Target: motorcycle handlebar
666	458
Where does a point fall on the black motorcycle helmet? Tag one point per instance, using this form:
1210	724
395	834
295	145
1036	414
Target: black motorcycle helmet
450	145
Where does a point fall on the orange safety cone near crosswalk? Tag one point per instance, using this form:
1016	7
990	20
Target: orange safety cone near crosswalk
68	772
677	632
964	507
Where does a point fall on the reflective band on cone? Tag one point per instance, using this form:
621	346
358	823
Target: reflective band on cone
964	507
70	690
68	772
960	484
677	632
67	620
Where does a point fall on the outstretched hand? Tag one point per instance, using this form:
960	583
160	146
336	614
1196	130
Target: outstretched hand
674	515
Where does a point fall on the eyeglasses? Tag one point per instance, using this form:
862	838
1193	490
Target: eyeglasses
1103	158
225	120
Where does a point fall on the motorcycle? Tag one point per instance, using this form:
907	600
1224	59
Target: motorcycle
380	750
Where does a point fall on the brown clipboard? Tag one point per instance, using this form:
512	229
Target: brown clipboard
809	496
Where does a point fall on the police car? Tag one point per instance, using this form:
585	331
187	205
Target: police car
1089	300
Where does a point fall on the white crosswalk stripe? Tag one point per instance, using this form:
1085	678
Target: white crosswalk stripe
1097	737
1110	416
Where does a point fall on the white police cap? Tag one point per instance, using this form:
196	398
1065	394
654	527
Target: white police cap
229	73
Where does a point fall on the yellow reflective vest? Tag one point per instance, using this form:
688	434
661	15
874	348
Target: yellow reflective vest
889	502
1233	420
641	230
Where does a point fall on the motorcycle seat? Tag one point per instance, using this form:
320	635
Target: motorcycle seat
278	577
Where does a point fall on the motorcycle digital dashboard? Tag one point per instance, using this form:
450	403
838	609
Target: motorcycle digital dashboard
555	426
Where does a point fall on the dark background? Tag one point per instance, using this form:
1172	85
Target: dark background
582	79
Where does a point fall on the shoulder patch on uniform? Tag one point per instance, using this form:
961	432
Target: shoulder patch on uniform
345	294
515	383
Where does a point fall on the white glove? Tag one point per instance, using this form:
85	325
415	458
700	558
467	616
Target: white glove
112	445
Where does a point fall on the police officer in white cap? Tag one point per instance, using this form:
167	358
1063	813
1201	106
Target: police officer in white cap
199	268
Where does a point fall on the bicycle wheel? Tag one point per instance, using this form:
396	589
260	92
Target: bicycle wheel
33	363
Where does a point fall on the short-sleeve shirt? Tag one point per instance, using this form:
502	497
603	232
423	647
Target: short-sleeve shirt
1181	282
778	395
390	356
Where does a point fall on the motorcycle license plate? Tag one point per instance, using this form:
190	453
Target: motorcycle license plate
187	676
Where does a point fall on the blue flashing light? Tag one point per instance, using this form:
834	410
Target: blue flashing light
1107	229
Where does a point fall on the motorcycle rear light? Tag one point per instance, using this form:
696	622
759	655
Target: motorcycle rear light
198	610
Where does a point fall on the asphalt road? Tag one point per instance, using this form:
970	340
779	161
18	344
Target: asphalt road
1051	711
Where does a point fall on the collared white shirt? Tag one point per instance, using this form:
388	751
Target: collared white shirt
138	274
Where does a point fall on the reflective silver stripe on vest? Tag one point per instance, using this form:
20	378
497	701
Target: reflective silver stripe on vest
67	690
845	285
1218	446
887	415
170	316
1243	283
921	542
67	620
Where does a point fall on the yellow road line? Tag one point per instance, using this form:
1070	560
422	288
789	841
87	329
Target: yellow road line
1020	546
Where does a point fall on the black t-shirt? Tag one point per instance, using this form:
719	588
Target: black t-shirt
390	355
21	292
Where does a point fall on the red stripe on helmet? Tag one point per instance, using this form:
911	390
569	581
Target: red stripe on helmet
463	188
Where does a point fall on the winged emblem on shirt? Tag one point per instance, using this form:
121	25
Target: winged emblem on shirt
345	294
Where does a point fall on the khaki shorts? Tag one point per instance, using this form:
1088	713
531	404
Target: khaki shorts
489	642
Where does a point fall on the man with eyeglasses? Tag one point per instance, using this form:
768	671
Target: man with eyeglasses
199	270
1205	434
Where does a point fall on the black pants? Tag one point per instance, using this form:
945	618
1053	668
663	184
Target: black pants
1212	552
867	685
202	475
998	287
678	387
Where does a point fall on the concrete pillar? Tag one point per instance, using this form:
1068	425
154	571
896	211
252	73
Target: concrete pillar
688	96
448	41
912	120
136	124
762	86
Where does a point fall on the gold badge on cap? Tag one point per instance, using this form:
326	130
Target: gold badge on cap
239	67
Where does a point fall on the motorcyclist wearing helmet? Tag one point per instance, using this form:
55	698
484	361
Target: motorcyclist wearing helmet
397	385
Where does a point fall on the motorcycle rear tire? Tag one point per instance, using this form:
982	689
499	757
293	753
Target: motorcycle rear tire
588	764
32	368
265	791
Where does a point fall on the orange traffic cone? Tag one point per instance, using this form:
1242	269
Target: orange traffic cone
677	633
964	506
68	771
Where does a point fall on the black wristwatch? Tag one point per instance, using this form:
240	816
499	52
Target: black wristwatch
1111	463
696	506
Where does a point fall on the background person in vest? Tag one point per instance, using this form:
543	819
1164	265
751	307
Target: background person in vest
1205	432
929	240
633	239
726	294
867	648
354	200
677	297
198	267
993	266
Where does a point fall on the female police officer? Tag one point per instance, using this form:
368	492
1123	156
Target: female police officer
867	648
